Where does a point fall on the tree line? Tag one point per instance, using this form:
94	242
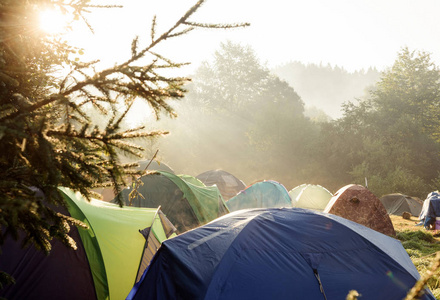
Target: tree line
240	117
326	87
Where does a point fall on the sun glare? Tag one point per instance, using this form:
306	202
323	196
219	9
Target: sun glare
53	21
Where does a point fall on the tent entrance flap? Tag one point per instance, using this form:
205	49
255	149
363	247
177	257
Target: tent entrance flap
321	287
152	243
313	260
150	248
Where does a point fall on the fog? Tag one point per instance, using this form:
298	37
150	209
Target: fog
303	123
292	99
254	130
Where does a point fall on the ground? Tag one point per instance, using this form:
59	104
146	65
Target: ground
421	245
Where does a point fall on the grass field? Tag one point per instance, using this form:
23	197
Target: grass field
421	245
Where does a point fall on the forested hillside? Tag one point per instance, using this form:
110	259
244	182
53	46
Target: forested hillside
240	117
325	87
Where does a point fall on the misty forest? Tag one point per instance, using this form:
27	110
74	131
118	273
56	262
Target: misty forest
309	123
73	127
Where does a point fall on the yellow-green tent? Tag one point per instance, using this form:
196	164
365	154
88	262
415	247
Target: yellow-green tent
112	253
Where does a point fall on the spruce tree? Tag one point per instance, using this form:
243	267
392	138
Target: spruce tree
48	132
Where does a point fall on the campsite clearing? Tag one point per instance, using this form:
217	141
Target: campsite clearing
421	245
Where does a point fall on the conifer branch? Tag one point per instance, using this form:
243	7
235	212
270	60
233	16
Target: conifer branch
153	28
48	130
216	26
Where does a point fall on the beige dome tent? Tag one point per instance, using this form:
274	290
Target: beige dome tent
310	196
356	203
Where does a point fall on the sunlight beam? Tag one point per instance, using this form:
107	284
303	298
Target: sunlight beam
53	21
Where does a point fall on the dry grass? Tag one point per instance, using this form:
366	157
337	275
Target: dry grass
421	245
401	224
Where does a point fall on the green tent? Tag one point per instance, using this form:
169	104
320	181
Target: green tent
310	196
397	204
186	205
154	165
107	193
192	180
114	244
111	255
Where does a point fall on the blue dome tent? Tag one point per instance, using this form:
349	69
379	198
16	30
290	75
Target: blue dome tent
279	253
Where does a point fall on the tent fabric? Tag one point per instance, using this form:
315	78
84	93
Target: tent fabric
152	243
185	204
35	273
356	203
293	193
104	266
151	248
228	184
107	193
310	196
431	206
430	209
154	165
192	180
262	194
276	253
397	204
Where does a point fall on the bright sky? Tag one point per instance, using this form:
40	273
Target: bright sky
353	34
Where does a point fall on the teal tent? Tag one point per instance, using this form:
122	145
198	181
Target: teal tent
111	255
310	196
186	205
262	194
